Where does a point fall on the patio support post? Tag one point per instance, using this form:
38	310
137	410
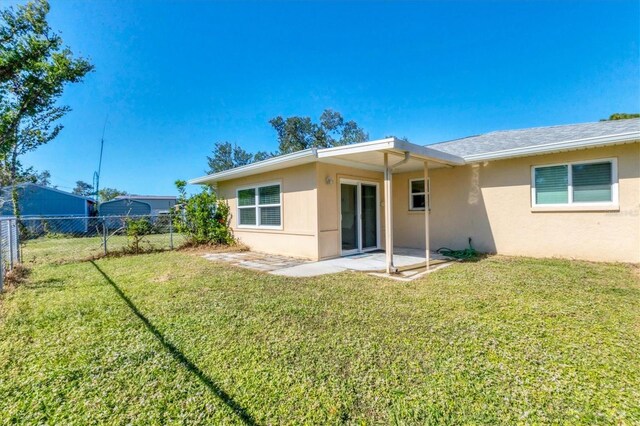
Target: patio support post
388	216
426	213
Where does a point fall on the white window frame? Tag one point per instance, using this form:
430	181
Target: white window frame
258	206
427	195
614	203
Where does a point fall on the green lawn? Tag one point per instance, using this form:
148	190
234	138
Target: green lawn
172	338
56	250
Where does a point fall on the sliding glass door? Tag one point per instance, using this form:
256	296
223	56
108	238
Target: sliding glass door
349	214
359	216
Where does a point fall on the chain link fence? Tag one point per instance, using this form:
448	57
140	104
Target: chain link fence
9	247
61	239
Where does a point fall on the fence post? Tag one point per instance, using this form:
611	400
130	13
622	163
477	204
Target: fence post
170	233
1	259
18	252
104	235
10	239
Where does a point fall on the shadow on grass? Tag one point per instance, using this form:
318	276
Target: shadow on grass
180	357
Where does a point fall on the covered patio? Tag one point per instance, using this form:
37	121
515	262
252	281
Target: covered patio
336	204
388	156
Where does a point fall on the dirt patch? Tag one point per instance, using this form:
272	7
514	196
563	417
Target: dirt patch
201	249
16	276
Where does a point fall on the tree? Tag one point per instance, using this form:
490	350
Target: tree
22	174
83	188
204	217
108	194
227	156
35	67
298	133
294	134
43	178
621	116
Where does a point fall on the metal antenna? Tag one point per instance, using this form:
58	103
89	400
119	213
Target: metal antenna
96	175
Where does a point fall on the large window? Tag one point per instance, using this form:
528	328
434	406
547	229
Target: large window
260	206
579	183
419	195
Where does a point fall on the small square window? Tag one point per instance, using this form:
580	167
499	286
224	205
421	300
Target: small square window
418	197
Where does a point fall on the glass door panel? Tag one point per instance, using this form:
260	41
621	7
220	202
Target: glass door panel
349	214
369	216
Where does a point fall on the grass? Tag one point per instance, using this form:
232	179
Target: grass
173	338
56	250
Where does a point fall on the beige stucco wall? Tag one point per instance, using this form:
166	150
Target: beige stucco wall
329	206
491	203
298	237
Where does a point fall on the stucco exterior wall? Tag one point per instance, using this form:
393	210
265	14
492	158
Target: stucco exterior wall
329	204
491	203
298	237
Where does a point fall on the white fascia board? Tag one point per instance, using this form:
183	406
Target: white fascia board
429	153
392	144
357	148
555	147
279	162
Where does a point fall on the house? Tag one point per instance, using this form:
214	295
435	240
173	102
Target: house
569	191
160	204
36	202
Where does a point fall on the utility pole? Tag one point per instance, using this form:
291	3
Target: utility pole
96	175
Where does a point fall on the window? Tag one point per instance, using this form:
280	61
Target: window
579	183
417	194
260	206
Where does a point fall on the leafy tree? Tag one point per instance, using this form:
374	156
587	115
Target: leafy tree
43	178
35	67
83	188
204	218
294	134
226	156
298	133
22	174
108	194
137	230
263	155
621	116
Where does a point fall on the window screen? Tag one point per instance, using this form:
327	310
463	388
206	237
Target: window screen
575	183
552	185
263	212
592	182
417	194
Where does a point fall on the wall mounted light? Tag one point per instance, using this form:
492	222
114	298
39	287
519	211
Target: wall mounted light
328	180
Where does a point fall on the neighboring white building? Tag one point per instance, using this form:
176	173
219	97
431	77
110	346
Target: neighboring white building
160	204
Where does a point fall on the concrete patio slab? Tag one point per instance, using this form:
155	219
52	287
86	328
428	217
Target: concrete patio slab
255	261
373	262
365	262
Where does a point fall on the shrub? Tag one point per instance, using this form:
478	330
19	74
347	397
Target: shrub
203	218
136	230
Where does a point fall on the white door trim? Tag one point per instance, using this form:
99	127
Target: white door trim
358	184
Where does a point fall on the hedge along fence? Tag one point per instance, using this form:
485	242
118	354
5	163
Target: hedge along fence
203	218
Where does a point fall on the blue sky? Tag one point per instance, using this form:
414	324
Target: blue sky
175	77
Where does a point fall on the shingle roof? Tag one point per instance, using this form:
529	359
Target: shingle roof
536	136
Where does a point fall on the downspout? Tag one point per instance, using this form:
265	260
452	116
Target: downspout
388	172
407	156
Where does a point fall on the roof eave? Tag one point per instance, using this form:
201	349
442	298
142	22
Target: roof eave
254	168
554	147
396	145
